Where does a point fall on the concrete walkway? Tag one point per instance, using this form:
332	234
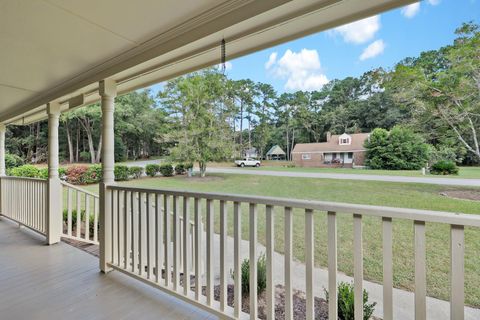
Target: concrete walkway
403	300
347	176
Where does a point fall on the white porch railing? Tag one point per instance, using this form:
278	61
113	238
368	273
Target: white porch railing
80	214
139	234
24	200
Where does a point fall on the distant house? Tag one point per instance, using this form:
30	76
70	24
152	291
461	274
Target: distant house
344	150
276	153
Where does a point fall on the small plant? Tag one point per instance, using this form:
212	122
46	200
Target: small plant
166	170
27	171
444	167
43	173
345	302
76	174
180	168
261	275
135	171
93	174
152	169
121	173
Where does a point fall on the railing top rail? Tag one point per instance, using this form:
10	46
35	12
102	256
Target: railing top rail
23	178
66	184
379	211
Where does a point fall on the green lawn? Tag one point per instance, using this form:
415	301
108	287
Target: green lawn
465	172
420	196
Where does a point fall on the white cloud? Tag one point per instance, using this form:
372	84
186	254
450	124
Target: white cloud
302	70
359	31
271	60
373	50
433	2
411	10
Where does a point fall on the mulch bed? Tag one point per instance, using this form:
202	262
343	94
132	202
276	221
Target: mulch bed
464	194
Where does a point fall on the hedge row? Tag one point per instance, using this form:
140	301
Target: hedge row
167	169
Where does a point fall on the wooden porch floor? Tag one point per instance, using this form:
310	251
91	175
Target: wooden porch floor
63	282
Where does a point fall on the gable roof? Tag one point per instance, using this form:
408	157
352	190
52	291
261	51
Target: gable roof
275	150
358	140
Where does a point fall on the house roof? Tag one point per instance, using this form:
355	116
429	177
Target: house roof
59	50
358	140
275	150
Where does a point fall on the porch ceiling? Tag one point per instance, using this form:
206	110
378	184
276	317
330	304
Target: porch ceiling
59	49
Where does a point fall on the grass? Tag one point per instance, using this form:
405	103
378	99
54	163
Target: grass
407	195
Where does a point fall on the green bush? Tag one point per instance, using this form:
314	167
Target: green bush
166	170
43	173
62	172
345	302
152	169
188	166
13	161
91	219
135	171
444	167
93	174
261	275
27	170
121	173
180	168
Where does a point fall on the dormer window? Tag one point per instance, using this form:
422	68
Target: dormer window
344	139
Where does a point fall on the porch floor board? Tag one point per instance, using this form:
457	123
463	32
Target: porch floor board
62	282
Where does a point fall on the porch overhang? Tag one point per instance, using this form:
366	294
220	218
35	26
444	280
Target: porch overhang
59	50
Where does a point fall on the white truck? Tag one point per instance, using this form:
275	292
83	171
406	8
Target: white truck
247	162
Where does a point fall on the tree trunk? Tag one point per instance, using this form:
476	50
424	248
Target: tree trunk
69	141
77	144
99	149
203	168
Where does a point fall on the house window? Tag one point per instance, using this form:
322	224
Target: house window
350	155
306	156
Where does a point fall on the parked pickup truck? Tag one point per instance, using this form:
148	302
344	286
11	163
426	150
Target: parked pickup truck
247	162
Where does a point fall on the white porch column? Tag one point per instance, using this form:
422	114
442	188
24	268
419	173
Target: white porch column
55	197
3	129
108	91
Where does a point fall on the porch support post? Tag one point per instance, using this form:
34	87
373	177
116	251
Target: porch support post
108	91
3	129
54	194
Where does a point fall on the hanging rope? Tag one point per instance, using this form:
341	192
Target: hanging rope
223	56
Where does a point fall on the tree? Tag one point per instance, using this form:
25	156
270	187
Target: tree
399	149
198	117
444	85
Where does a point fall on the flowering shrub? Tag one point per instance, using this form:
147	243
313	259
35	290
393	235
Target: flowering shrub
76	174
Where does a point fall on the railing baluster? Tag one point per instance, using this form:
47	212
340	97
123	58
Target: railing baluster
457	251
223	256
167	227
158	239
332	265
209	270
358	266
95	212
134	232
237	264
309	263
69	211
270	242
420	274
253	261
126	230
288	264
148	225
87	217
79	214
141	234
186	245
176	244
198	249
114	225
119	227
387	269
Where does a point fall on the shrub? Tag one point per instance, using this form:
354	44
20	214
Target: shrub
85	156
345	302
26	170
261	275
43	173
13	161
152	169
166	170
121	173
62	172
76	174
135	171
180	168
93	174
444	167
188	166
91	219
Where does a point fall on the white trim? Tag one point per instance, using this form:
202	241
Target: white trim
300	152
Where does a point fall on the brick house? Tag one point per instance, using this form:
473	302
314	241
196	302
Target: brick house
344	150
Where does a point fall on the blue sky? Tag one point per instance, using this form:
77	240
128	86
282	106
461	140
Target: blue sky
380	41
